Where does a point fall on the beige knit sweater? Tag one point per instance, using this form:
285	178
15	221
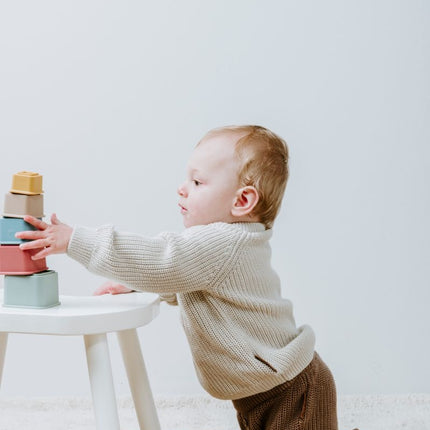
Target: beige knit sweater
242	333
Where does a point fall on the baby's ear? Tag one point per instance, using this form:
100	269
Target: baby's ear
245	201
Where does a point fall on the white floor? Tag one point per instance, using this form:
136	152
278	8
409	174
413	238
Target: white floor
405	412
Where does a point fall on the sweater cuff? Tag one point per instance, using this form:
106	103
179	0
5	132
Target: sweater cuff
170	298
81	244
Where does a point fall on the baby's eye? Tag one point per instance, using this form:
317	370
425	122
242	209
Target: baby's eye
196	182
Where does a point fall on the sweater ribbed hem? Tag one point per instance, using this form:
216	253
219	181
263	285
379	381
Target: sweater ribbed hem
294	358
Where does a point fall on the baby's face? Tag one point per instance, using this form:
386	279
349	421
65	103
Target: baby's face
209	191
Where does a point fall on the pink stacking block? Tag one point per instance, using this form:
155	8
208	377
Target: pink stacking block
14	261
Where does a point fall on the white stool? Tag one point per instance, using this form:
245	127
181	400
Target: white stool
93	317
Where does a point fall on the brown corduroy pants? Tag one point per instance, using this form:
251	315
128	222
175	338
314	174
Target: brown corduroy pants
307	402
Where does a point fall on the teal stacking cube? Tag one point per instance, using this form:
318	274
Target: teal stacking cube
10	226
34	291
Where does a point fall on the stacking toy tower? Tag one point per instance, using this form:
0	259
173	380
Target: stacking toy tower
28	283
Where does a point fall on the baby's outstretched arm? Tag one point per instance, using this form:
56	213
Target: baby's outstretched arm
53	238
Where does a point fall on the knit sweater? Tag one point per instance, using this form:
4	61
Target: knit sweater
242	333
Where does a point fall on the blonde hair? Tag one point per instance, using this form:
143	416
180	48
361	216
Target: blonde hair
264	165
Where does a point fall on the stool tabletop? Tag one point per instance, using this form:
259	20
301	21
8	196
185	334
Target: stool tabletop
82	315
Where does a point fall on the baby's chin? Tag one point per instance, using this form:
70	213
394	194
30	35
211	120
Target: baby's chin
191	224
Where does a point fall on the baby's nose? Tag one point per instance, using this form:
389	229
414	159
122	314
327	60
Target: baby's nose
181	190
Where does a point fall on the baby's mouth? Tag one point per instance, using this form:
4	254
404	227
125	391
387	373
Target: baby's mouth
183	209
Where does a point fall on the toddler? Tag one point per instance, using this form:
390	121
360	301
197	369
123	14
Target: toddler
242	334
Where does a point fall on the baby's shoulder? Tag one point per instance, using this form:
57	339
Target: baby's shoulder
212	228
221	233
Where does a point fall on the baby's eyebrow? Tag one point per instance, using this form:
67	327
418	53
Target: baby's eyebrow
195	170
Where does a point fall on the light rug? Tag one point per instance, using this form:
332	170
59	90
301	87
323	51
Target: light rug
370	412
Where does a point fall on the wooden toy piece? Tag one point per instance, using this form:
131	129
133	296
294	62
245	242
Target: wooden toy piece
29	183
8	228
18	205
35	291
14	261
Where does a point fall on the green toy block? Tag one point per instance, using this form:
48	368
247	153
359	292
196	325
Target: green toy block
35	291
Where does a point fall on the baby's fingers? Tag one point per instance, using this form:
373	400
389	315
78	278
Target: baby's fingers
34	244
99	291
41	254
55	220
36	222
31	234
110	287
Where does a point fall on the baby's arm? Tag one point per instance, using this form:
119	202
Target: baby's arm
167	263
54	239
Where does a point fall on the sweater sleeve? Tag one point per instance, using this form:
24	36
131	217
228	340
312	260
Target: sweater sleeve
168	263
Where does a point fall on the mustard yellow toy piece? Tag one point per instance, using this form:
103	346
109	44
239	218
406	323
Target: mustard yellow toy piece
28	183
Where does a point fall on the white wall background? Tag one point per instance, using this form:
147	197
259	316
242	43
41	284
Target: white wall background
106	99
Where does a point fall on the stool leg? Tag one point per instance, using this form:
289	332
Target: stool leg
102	388
138	380
3	344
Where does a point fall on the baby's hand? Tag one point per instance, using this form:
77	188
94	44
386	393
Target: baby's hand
53	238
110	287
